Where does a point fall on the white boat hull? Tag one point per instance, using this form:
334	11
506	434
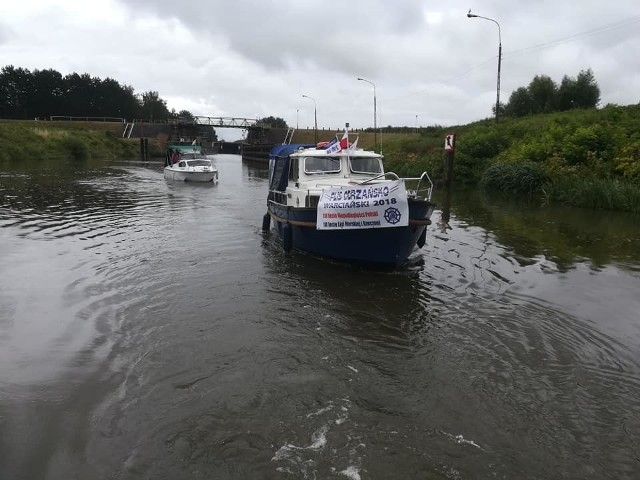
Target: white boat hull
182	176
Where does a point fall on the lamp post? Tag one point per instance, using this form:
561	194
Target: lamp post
375	113
315	116
471	15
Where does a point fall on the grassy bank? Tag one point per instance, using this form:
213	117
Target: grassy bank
585	158
68	140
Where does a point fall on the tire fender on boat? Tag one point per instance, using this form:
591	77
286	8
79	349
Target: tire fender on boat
266	222
287	240
422	239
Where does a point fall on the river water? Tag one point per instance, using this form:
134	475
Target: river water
151	331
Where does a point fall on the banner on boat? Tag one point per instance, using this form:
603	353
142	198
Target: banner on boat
379	205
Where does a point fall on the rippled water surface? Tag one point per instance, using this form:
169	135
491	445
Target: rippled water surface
149	330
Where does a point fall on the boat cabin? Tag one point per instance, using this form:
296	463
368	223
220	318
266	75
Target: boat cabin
309	170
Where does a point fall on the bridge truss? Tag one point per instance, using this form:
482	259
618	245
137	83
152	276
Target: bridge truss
228	122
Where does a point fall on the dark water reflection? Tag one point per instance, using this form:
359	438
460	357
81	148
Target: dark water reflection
149	330
564	235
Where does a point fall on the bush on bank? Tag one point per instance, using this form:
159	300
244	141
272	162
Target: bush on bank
588	158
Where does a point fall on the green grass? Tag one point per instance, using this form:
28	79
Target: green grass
514	178
68	140
598	193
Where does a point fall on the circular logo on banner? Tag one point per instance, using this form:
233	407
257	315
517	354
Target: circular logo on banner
392	215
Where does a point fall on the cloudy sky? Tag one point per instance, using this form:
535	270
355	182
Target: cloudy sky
254	58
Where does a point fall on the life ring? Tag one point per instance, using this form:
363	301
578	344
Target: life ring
322	144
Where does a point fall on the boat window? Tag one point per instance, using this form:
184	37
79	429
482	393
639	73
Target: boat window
321	165
293	169
182	164
365	165
198	163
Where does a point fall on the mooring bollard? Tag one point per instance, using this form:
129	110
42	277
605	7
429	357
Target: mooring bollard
144	149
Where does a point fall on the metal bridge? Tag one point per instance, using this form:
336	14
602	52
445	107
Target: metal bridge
228	122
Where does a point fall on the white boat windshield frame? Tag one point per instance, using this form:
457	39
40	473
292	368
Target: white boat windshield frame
368	162
322	165
199	162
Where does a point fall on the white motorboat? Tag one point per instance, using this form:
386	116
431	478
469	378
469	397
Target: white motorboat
190	166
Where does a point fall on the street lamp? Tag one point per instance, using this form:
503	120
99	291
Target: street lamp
375	114
471	15
315	115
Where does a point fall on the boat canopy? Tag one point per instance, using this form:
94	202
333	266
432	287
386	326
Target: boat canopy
279	164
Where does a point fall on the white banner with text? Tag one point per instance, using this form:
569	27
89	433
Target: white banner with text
363	206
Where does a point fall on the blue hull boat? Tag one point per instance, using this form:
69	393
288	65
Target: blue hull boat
337	202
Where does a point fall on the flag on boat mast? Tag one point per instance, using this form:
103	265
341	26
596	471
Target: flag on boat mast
344	141
335	146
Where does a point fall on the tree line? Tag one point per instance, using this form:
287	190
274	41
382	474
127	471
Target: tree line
543	95
46	93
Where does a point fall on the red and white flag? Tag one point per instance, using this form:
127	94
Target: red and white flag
336	145
344	141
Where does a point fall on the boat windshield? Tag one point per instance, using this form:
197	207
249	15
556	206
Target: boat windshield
199	163
321	165
365	165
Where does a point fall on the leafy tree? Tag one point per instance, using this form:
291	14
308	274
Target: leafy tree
544	96
185	115
80	94
587	90
501	110
115	100
274	122
567	94
47	93
153	107
520	103
16	85
542	91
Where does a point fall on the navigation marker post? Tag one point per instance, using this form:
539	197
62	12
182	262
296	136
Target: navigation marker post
449	149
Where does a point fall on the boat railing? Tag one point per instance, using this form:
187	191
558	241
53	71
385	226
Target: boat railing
419	187
381	176
277	196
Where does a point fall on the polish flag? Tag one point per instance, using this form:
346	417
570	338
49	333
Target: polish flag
344	141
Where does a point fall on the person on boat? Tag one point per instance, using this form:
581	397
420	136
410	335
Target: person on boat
175	157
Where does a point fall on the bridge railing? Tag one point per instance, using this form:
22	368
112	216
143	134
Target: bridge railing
228	122
70	118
